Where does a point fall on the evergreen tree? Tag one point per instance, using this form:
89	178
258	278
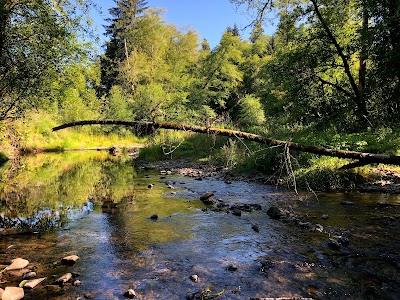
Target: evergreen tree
123	23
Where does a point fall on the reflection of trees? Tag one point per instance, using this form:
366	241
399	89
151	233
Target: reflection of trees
45	190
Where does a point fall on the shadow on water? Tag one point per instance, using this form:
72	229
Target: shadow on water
99	207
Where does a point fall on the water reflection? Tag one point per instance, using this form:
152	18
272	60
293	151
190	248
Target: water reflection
103	208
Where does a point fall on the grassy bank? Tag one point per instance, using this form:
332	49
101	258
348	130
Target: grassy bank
293	169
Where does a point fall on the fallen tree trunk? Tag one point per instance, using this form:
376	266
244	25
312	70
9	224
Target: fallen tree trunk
362	157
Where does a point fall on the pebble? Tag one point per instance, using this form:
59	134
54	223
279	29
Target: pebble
70	260
255	228
150	186
63	279
77	283
194	278
324	217
232	268
29	275
130	294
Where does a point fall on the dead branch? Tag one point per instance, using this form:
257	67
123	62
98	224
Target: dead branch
364	158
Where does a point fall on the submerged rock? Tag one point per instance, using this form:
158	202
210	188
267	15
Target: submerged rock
274	213
13	293
17	264
236	212
232	268
70	260
255	228
206	198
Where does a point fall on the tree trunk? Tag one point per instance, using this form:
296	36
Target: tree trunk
362	71
364	158
358	100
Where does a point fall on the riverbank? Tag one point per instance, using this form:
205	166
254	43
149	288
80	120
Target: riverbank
383	181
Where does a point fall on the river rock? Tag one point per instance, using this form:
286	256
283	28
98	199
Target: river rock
31	284
29	275
255	228
150	186
13	293
206	198
77	283
236	212
232	268
64	279
194	278
274	213
154	217
334	244
130	294
266	264
17	264
343	240
70	260
319	228
324	217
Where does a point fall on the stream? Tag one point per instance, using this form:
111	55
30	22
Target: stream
102	208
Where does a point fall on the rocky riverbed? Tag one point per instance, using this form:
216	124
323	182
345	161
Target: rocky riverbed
151	233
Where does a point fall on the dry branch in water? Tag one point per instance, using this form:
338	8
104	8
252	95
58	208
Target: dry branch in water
364	158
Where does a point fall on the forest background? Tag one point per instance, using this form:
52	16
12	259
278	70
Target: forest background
329	76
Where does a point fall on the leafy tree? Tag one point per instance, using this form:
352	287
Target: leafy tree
157	71
37	40
325	70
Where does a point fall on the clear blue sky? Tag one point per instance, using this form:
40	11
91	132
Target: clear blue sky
209	18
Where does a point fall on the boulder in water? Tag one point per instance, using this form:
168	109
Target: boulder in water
274	213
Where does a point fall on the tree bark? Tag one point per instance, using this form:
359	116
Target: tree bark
363	157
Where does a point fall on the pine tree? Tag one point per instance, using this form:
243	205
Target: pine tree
123	20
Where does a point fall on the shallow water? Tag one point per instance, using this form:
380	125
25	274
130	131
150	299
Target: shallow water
99	207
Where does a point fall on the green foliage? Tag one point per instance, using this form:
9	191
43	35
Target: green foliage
37	40
251	111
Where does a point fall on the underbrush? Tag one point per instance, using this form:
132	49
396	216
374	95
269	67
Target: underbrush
290	168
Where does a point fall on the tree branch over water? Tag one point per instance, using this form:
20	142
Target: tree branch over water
364	158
